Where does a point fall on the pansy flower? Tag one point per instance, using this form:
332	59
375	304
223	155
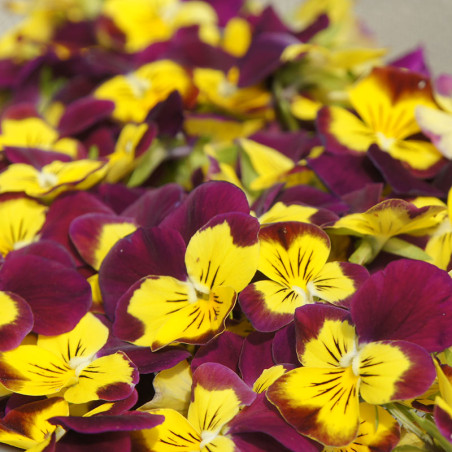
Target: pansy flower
28	426
385	101
68	364
217	396
52	179
380	226
135	94
378	352
293	256
220	259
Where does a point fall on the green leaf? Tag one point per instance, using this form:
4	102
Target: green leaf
448	356
402	248
147	163
93	152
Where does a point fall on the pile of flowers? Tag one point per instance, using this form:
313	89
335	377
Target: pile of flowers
221	231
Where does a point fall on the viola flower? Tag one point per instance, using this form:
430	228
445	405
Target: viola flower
338	369
21	219
132	141
136	93
52	179
381	224
294	257
28	426
144	23
220	259
34	132
385	101
218	394
220	90
68	364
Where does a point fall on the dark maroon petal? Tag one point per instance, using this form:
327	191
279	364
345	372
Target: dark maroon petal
202	204
151	208
47	249
86	232
252	302
398	177
309	319
417	379
311	196
224	349
257	442
144	359
126	422
34	157
443	421
189	50
58	296
409	300
414	61
83	113
320	23
168	115
269	21
61	213
364	198
111	442
118	196
344	173
262	416
154	251
263	56
294	145
226	9
256	356
284	346
12	334
216	377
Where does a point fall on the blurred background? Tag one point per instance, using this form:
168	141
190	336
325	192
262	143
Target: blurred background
400	25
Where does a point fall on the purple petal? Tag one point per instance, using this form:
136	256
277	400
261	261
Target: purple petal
216	377
224	349
364	198
263	56
443	421
151	208
344	173
262	416
47	249
118	196
256	356
111	441
443	85
414	61
409	300
154	251
398	177
34	157
320	23
257	442
58	296
284	346
61	213
168	115
83	113
126	422
226	9
202	204
12	333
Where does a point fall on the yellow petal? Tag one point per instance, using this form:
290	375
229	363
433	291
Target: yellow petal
320	403
175	433
280	212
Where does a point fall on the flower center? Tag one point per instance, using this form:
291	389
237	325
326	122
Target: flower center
206	438
138	85
351	359
383	141
47	180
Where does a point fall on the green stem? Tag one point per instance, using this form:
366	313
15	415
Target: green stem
283	107
416	425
